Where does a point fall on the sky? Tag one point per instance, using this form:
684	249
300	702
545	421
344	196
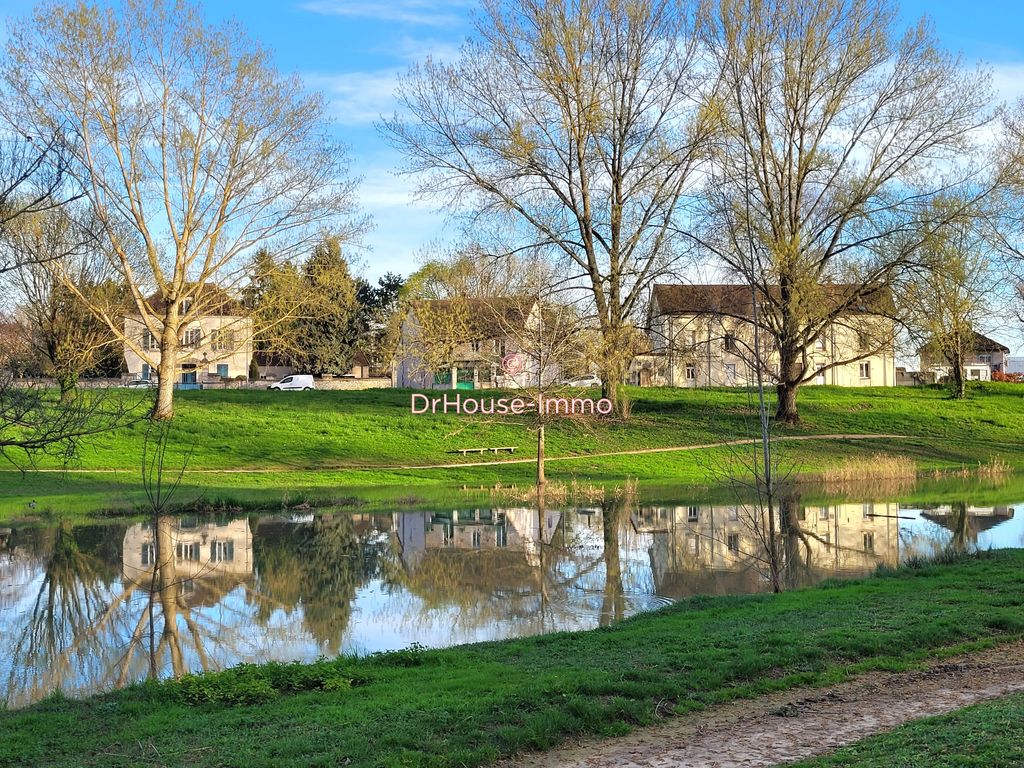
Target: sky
354	51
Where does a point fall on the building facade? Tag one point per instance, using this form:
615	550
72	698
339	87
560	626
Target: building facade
702	335
473	344
215	343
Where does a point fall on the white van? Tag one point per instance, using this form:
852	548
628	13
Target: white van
299	381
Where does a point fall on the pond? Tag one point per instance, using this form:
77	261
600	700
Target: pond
85	607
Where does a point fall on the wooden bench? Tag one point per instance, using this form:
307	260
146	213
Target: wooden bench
464	451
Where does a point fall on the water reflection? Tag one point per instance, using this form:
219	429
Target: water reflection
89	607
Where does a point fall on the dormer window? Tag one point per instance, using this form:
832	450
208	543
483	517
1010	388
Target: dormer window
186	305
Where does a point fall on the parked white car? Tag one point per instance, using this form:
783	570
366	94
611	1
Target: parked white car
299	381
139	384
590	380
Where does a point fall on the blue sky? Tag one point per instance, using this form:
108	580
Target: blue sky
353	51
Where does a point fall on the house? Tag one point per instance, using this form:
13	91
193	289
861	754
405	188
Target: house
986	357
702	335
473	344
215	342
274	367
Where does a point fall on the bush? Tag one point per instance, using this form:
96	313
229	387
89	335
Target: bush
249	684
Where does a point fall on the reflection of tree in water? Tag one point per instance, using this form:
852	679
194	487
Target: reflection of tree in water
317	566
97	622
71	608
532	579
613	606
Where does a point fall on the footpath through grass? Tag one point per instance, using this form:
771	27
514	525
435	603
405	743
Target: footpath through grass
988	735
318	444
471	705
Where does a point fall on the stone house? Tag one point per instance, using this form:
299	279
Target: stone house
702	335
215	342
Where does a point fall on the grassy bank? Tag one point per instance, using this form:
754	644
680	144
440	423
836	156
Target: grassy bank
989	735
256	445
471	705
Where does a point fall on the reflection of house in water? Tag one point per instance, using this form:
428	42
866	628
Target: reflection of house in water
199	550
717	550
518	530
966	521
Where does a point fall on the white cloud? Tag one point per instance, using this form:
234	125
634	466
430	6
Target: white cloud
433	13
357	98
1008	80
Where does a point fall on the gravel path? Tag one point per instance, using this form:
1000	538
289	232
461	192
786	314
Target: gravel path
801	723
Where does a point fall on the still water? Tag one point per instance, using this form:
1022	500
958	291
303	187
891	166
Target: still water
88	607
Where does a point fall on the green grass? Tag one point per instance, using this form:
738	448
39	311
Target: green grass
327	445
989	735
474	704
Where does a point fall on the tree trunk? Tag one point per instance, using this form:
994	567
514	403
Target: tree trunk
790	374
959	385
67	383
164	407
786	411
541	480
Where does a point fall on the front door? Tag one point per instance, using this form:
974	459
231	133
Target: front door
464	378
188	377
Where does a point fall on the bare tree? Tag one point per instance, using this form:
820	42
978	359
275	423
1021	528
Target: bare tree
189	145
946	301
837	131
60	326
578	125
34	179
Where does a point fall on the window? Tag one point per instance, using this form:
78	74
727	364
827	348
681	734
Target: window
691	373
693	544
187	551
475	345
146	371
733	542
149	341
692	514
691	338
192	337
476	539
222	551
186	305
868	510
148	554
734	513
823	513
869	542
730	373
501	347
864	341
865	370
985	358
819	343
222	370
729	343
215	341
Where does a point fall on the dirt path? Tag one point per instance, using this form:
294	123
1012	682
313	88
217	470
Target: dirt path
801	723
498	462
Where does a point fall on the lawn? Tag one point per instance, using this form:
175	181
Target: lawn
250	445
989	735
471	705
